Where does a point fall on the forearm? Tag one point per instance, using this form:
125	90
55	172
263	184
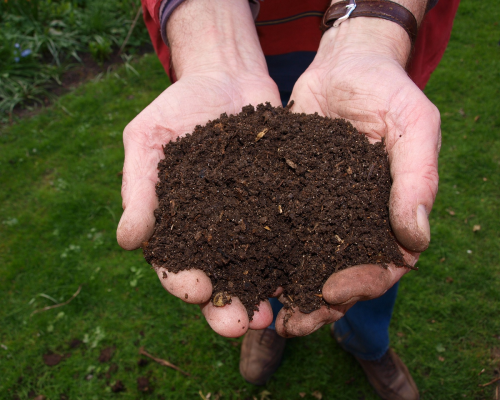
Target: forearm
214	36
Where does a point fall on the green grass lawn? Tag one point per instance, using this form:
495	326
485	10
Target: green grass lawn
60	203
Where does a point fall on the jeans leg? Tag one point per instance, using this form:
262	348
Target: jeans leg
276	306
364	330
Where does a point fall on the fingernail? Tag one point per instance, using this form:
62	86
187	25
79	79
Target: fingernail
423	222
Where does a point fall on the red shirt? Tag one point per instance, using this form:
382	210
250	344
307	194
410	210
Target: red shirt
287	26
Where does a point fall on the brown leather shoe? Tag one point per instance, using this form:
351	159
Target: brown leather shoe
261	353
390	377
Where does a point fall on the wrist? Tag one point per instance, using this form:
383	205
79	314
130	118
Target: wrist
416	7
224	39
365	36
388	32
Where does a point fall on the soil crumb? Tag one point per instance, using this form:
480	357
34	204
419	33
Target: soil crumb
142	362
270	198
143	385
52	359
118	387
106	354
75	343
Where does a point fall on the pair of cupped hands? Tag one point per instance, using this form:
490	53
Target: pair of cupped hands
368	88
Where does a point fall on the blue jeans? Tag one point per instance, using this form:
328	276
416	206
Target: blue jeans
364	330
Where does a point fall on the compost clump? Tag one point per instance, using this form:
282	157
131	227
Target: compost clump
271	198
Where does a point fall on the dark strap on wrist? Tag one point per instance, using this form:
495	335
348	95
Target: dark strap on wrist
384	9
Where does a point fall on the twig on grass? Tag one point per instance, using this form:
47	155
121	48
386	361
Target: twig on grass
165	363
58	305
131	29
203	396
490	383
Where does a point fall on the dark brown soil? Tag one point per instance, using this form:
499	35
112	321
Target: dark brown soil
118	387
52	359
269	198
106	354
143	385
75	343
142	362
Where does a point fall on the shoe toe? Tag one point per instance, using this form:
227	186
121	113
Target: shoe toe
261	354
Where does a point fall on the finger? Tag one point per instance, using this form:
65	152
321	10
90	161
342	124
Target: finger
361	282
291	322
413	153
262	319
230	320
192	286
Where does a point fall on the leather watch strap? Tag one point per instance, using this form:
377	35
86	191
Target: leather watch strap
385	9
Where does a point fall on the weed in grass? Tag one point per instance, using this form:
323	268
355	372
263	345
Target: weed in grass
39	39
100	48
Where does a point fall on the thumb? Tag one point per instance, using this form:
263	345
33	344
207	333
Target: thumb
414	169
138	189
137	222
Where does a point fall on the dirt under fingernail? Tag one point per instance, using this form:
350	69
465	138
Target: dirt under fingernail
286	208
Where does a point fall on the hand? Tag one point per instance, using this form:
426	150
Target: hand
216	75
359	75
